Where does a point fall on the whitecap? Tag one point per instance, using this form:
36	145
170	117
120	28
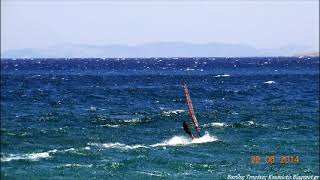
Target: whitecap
117	146
37	75
70	149
78	165
190	69
222	75
30	157
174	141
250	122
154	173
110	125
170	112
269	82
133	120
215	124
182	140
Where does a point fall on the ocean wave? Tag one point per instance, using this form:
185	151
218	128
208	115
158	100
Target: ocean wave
182	140
174	141
133	120
36	156
190	69
172	112
154	173
110	125
269	82
120	122
222	75
244	124
117	146
68	150
250	124
77	165
30	157
290	127
215	124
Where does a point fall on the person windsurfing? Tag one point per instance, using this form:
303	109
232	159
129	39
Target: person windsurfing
186	129
191	114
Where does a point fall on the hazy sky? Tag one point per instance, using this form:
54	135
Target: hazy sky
261	24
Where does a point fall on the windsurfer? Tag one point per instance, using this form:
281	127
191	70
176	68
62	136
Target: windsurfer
186	129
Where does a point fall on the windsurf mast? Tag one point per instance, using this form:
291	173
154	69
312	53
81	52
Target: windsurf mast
190	109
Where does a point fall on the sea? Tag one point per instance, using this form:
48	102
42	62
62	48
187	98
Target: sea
121	118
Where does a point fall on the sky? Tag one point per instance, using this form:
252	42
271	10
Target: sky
260	24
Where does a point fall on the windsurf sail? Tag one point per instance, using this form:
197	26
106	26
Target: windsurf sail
190	109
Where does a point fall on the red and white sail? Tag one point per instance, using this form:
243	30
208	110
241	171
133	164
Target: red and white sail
190	109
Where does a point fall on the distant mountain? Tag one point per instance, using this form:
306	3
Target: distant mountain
164	49
314	54
311	54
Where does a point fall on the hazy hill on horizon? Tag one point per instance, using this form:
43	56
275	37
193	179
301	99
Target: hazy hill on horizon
162	49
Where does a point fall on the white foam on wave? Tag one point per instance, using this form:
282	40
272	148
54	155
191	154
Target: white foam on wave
30	157
37	75
78	165
269	82
125	121
215	124
174	141
190	69
250	122
36	156
154	173
70	149
222	75
133	120
110	125
117	146
170	112
182	140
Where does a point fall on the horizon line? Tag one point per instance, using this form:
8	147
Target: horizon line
164	57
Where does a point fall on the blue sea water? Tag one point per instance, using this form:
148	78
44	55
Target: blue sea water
121	118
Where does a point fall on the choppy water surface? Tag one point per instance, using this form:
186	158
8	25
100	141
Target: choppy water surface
121	118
